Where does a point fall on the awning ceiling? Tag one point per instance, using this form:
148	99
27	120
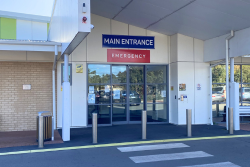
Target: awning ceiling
202	19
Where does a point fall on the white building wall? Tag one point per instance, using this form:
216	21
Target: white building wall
215	49
188	54
91	51
30	30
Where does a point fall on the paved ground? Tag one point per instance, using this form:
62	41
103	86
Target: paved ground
23	138
224	151
228	152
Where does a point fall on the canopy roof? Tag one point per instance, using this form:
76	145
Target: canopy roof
202	19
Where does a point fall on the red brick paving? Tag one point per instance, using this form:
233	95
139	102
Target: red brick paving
24	138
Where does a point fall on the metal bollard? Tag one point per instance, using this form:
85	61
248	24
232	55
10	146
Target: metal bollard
52	136
94	127
231	121
144	125
40	132
189	122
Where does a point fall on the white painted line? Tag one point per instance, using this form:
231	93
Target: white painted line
167	157
221	164
152	147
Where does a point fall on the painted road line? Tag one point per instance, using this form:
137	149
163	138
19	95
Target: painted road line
221	164
124	144
152	147
168	157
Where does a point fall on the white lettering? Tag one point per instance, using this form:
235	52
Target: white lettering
106	40
113	54
143	42
117	41
135	42
132	55
125	56
144	56
123	41
117	55
111	41
151	42
147	42
136	56
139	42
121	56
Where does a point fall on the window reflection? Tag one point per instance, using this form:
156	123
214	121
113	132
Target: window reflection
98	73
156	74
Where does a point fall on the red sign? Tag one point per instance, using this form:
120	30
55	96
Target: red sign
129	56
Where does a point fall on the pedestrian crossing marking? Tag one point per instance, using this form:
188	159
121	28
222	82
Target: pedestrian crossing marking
167	157
152	147
221	164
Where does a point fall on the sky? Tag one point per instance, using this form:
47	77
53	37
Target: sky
35	7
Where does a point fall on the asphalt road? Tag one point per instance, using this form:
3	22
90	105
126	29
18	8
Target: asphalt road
228	152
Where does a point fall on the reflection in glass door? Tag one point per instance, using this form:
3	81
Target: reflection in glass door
136	92
119	93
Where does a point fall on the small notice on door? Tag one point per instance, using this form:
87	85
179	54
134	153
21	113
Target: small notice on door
91	89
106	89
116	94
163	93
91	98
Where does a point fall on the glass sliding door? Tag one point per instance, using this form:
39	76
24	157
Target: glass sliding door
119	93
99	99
156	93
136	92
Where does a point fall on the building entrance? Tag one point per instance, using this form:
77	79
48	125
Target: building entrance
122	92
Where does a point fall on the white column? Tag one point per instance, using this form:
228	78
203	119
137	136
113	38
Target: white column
231	96
227	84
232	69
66	115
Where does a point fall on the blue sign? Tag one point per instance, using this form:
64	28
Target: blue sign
124	41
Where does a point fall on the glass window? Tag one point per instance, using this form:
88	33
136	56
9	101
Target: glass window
237	77
121	90
244	93
69	71
103	113
156	74
156	93
119	112
135	112
156	112
119	74
136	74
136	94
98	73
246	73
101	95
219	74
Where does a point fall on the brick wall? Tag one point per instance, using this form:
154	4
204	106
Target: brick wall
18	107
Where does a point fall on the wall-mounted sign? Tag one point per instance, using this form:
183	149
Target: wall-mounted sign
116	94
182	87
129	56
79	68
91	98
26	87
163	93
124	41
198	86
